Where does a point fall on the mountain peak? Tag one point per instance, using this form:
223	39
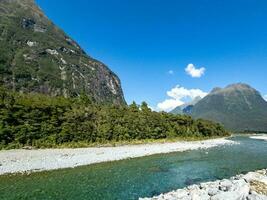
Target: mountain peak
239	86
216	89
235	88
238	106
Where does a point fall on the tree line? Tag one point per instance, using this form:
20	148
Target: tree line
44	121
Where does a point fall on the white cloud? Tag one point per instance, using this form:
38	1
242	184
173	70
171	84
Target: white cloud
265	97
177	96
169	104
194	72
181	92
171	72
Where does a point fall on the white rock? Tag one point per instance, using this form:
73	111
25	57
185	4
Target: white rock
181	193
31	44
38	28
254	176
209	185
199	195
63	61
193	187
52	51
256	197
235	188
72	51
227	196
225	185
170	196
112	86
237	184
238	191
213	191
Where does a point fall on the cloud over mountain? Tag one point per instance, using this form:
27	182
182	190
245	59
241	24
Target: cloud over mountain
169	104
177	97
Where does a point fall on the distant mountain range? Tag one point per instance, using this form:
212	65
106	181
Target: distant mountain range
239	107
37	56
186	108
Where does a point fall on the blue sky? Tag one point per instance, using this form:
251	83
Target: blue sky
142	40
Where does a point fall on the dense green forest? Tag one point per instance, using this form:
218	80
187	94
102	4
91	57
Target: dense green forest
44	121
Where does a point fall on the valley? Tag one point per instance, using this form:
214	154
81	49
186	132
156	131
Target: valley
73	127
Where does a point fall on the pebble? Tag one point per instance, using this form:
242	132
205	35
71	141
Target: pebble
213	191
235	188
225	185
26	160
256	197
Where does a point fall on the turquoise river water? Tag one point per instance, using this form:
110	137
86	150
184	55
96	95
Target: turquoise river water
139	177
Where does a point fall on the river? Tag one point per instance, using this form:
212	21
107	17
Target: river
139	177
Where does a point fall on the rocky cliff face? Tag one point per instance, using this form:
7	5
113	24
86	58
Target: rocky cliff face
37	56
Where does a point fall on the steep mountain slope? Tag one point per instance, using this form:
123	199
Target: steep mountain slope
36	56
239	107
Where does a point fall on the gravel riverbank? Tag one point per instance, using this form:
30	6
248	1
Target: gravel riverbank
252	186
259	137
20	161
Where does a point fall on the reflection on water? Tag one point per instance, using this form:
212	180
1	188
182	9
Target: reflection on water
148	176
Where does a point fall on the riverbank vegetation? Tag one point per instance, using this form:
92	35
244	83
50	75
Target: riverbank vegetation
43	121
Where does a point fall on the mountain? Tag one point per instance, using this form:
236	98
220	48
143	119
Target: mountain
186	108
238	106
37	56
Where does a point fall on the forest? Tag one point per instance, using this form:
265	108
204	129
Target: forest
43	121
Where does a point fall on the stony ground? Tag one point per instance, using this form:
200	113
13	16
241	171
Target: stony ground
259	137
252	186
20	161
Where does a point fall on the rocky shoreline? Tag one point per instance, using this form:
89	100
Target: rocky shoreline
27	161
251	186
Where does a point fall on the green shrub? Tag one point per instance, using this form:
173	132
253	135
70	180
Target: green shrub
44	121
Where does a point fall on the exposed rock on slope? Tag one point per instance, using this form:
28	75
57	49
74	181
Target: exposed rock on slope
36	56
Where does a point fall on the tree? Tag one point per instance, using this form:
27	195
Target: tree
44	121
144	107
134	107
